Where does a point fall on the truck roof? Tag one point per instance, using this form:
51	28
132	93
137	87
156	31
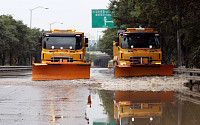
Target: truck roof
56	32
63	34
137	30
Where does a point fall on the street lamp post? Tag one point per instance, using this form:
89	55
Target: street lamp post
53	23
31	13
31	24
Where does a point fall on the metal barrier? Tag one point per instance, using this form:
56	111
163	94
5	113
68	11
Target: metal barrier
191	74
15	68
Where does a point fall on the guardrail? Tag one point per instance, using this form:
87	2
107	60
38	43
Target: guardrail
15	68
191	74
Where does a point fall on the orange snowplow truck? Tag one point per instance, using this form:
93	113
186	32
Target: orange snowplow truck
137	52
63	56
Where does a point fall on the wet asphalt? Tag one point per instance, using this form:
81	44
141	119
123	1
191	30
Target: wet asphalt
67	104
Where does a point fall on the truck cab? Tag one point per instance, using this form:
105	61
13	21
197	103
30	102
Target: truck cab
137	52
66	45
63	56
137	46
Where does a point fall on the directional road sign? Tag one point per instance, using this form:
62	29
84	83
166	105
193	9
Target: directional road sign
101	18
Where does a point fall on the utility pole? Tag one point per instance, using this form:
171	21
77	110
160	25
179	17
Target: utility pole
98	39
178	33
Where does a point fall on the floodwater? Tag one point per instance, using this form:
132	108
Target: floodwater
100	100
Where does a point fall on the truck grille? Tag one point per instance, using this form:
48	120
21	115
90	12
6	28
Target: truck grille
137	59
57	59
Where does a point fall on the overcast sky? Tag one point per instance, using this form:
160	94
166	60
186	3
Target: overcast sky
74	14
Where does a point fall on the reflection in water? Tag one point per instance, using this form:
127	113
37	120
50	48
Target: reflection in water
98	111
99	107
65	105
140	107
149	108
89	99
80	106
76	105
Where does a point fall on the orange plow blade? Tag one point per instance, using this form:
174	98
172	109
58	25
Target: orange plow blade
59	71
144	70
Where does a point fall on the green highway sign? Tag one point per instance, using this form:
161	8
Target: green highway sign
101	18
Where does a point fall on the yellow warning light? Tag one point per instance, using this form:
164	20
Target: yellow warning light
52	30
63	31
71	30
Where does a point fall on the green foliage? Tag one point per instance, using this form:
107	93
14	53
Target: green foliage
108	102
106	43
166	16
195	57
17	41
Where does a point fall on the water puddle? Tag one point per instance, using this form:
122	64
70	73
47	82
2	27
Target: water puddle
81	105
139	107
100	100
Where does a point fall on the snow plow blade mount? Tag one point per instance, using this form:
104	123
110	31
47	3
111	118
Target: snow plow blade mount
144	70
60	71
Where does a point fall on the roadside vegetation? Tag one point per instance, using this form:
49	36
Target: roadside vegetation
166	16
18	43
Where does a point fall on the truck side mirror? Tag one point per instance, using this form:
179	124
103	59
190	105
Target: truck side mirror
86	42
40	40
116	41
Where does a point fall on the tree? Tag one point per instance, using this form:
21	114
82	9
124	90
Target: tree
17	41
106	43
169	17
8	38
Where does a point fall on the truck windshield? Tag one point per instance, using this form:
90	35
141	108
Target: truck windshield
140	40
74	43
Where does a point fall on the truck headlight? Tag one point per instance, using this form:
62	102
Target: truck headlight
158	63
122	63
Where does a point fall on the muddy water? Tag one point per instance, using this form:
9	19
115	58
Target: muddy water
102	78
100	100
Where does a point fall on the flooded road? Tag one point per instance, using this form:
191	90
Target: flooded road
100	100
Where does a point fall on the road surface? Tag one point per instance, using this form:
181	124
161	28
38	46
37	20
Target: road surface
88	101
